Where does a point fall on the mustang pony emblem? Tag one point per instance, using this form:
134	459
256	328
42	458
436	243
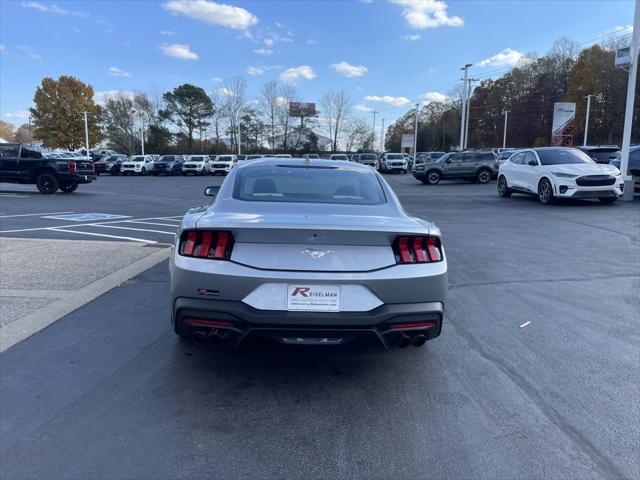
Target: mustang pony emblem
314	253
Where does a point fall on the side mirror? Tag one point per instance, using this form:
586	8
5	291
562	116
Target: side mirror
533	163
211	191
448	160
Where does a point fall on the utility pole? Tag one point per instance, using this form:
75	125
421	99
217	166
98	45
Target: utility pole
628	114
373	130
466	125
142	136
415	133
86	132
504	134
586	120
382	136
239	140
464	105
30	132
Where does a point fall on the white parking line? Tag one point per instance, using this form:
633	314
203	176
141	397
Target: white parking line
133	239
35	229
150	223
130	228
33	214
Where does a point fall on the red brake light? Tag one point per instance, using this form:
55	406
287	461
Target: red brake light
73	168
417	249
206	244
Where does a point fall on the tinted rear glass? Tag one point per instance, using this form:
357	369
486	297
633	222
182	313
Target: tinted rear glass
563	156
299	184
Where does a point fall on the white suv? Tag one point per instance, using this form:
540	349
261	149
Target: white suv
558	172
197	164
137	164
223	164
393	162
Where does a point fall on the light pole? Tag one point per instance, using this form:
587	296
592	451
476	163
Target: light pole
466	125
381	137
30	133
628	114
86	133
464	105
373	130
504	134
415	133
586	120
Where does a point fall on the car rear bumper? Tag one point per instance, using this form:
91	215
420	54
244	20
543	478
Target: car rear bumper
236	321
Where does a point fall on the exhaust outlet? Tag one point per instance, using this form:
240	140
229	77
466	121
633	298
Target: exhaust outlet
404	341
419	340
199	337
216	338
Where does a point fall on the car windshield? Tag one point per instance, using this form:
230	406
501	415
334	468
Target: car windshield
339	157
395	157
225	159
197	159
563	156
136	159
367	157
436	155
301	184
166	158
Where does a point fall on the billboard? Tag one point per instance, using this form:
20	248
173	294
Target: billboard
406	141
300	109
564	124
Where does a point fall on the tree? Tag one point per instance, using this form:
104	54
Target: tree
287	95
188	107
233	103
358	135
269	105
57	115
23	134
7	130
120	123
336	107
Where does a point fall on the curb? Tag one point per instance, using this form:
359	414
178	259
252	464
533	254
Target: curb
32	323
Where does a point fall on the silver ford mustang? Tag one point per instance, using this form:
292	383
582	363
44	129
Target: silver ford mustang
312	252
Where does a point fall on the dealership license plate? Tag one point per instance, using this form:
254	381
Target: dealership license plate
313	298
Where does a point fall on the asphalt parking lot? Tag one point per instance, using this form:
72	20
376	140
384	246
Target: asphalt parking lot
536	374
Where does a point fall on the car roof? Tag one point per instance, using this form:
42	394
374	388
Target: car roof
300	162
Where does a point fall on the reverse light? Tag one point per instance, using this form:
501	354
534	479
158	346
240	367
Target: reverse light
417	249
213	245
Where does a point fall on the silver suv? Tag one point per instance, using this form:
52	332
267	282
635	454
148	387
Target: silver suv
472	166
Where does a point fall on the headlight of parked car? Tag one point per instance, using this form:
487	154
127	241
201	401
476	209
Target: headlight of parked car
564	175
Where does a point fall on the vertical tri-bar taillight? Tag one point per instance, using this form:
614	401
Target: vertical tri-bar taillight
211	244
410	249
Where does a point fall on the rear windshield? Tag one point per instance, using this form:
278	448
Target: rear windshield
393	156
367	157
300	184
563	156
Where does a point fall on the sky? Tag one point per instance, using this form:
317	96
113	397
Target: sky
387	54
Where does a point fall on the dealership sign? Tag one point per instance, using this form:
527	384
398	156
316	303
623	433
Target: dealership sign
300	109
406	140
564	124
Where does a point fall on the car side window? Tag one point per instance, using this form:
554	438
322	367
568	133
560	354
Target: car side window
8	151
635	155
27	153
529	156
517	158
456	158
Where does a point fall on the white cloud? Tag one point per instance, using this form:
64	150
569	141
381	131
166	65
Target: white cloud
311	41
101	97
3	48
349	70
395	101
292	75
19	115
116	72
52	8
216	79
412	37
282	100
263	51
620	29
427	14
508	56
363	108
255	70
28	52
179	50
167	33
434	97
213	13
269	42
224	92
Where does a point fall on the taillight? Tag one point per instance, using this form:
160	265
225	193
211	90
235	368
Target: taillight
206	244
73	168
417	249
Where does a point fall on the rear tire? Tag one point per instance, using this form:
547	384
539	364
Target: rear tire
545	191
608	200
503	189
433	177
68	187
143	171
47	183
484	176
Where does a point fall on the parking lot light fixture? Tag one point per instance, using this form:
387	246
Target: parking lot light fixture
415	132
464	105
86	133
504	134
586	120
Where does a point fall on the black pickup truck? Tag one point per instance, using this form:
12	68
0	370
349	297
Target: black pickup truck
25	164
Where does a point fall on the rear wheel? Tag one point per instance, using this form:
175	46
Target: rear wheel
503	189
143	171
484	176
47	183
68	187
433	177
608	200
545	191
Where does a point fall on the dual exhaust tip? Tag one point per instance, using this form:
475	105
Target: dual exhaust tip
416	339
214	337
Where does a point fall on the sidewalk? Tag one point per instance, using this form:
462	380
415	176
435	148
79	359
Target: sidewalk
42	280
